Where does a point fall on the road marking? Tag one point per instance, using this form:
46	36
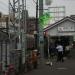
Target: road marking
62	68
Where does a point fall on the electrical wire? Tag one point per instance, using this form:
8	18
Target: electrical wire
34	1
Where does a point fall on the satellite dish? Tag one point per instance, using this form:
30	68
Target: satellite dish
48	2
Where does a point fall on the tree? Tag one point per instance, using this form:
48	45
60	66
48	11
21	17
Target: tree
44	19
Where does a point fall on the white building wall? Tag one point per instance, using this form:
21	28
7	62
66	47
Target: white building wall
67	29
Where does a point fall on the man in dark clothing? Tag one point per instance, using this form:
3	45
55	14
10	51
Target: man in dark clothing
60	52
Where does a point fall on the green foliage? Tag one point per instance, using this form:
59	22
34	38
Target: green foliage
44	19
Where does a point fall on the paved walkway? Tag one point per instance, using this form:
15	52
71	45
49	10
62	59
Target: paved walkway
58	68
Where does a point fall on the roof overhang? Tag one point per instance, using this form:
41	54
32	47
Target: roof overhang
57	23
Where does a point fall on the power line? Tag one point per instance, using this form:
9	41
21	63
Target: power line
34	1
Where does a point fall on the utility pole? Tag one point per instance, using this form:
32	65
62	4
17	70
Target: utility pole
1	45
36	27
1	54
6	42
16	7
38	31
19	27
24	39
41	36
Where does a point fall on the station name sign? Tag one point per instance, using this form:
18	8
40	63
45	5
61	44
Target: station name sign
66	29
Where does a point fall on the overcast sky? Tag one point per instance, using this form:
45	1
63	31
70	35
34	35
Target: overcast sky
69	4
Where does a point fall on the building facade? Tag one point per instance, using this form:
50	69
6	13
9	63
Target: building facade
62	31
65	28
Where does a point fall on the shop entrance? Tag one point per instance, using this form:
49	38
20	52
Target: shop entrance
64	40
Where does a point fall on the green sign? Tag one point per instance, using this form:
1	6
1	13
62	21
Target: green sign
44	19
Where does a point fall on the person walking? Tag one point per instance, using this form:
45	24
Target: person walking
67	50
34	58
59	52
52	50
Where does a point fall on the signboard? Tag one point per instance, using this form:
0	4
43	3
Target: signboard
48	2
61	29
